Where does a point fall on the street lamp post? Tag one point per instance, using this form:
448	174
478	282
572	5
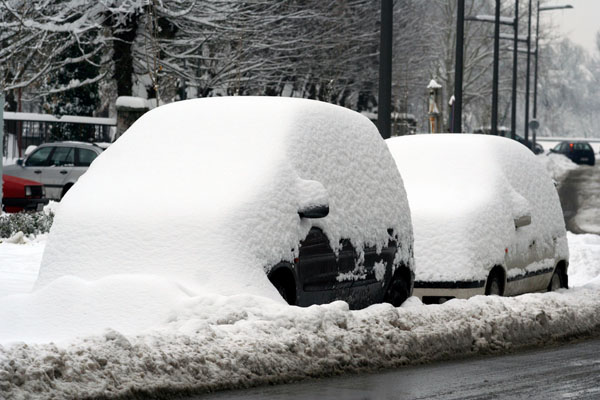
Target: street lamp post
497	20
384	108
458	68
513	112
495	74
528	78
537	53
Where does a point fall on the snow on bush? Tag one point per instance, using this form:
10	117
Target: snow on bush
465	191
150	226
25	223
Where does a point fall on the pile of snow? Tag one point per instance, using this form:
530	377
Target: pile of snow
557	165
148	227
237	341
220	342
465	191
584	265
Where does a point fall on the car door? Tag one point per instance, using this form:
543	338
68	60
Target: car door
58	173
83	159
34	166
316	269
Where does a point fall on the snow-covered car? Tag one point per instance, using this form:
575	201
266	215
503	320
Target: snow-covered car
486	217
268	196
57	165
20	194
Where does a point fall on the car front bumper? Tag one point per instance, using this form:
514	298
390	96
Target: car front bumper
12	204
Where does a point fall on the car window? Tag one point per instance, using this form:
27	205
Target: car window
63	156
39	158
85	157
582	146
557	147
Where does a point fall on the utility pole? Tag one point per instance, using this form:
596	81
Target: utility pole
384	109
458	68
537	55
513	113
495	75
528	74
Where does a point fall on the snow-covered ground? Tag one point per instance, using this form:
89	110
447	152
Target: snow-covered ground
139	334
217	342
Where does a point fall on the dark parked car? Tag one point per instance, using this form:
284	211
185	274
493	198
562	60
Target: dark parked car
22	195
577	151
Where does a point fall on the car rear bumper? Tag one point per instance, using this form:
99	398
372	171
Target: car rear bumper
434	292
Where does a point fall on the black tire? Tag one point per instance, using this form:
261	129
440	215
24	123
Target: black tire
558	281
495	283
397	292
284	283
65	190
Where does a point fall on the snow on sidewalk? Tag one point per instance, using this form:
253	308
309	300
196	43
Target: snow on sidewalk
218	342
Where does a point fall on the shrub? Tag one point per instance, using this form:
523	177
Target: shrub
30	223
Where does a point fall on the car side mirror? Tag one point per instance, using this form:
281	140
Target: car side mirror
20	162
313	199
522	221
318	211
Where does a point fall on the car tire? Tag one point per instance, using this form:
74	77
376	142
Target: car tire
284	283
494	284
65	190
397	293
558	281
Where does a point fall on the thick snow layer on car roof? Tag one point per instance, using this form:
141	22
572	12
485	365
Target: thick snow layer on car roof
464	193
204	195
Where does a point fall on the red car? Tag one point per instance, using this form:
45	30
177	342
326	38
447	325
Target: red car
20	194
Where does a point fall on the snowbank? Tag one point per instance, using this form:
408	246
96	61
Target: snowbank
220	342
237	341
584	266
465	191
557	165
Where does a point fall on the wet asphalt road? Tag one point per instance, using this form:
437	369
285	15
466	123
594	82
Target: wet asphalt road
571	371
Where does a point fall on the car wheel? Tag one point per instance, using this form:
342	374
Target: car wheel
283	281
494	284
397	293
65	190
558	280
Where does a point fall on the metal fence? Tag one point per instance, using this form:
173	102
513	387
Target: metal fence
25	129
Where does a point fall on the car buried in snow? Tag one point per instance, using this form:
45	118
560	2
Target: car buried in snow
486	217
291	198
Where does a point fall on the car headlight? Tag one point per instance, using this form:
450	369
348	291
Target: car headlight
27	191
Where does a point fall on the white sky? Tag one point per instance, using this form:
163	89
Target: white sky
580	24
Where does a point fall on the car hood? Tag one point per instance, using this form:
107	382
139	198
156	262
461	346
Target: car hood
9	179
